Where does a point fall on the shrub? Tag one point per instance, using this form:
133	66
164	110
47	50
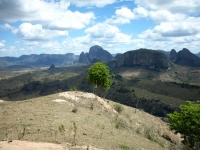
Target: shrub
118	108
120	124
75	109
187	122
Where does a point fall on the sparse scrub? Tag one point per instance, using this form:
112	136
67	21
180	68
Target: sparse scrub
119	108
61	129
75	131
124	147
120	124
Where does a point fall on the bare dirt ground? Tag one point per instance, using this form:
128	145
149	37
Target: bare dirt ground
1	101
26	145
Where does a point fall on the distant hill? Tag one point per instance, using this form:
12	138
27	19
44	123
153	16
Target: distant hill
166	53
143	57
185	58
39	60
96	53
198	54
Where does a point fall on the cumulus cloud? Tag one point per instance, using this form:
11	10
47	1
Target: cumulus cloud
108	36
140	12
54	15
122	16
165	15
181	6
6	26
188	27
27	31
107	33
174	34
53	47
97	3
2	44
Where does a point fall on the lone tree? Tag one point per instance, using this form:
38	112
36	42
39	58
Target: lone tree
100	77
187	122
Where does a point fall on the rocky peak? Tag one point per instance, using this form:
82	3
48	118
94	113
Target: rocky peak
186	58
96	53
83	58
143	57
173	56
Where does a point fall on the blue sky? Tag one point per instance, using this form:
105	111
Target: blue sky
65	26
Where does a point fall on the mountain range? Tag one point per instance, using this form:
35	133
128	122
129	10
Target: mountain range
41	60
151	59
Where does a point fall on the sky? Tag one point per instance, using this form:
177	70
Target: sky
73	26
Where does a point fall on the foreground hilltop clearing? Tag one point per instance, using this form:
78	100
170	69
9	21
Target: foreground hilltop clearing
83	119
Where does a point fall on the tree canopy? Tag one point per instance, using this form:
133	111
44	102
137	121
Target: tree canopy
99	76
187	122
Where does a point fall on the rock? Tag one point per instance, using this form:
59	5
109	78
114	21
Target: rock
83	59
143	57
99	53
186	58
173	56
96	54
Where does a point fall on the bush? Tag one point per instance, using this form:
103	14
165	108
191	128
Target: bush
75	109
120	124
118	108
187	122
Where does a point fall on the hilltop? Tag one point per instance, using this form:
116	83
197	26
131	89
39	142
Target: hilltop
85	120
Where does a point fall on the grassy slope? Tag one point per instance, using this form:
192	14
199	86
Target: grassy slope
41	117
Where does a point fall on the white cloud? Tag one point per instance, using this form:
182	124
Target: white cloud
164	15
2	45
53	47
140	12
187	27
122	16
108	36
183	6
174	34
27	31
107	33
97	3
6	26
54	15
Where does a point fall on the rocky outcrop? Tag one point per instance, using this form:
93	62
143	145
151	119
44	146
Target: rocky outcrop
173	56
99	53
96	53
83	58
143	57
185	58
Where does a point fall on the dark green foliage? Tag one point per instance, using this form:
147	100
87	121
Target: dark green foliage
123	90
187	122
99	76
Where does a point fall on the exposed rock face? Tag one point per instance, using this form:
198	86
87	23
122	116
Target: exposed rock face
173	56
99	53
186	58
96	53
83	59
143	57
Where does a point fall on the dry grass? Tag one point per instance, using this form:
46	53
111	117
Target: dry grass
42	117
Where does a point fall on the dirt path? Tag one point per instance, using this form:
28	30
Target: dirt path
25	145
